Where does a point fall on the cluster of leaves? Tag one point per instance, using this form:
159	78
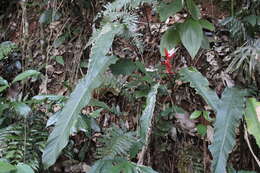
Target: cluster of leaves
244	27
117	143
120	146
6	48
189	33
229	111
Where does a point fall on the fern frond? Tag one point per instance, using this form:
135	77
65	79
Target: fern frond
245	58
24	143
236	27
121	4
116	143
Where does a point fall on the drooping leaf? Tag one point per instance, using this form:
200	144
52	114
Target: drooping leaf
6	167
26	74
24	168
193	9
253	119
3	84
124	67
167	10
206	24
95	102
22	109
53	119
191	36
2	88
169	40
3	81
81	95
201	85
147	115
228	117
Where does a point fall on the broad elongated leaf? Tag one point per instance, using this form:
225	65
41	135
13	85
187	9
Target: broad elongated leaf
193	9
167	10
229	110
25	75
228	115
22	109
24	168
2	88
191	36
252	121
3	81
146	118
81	95
169	40
124	67
201	85
6	167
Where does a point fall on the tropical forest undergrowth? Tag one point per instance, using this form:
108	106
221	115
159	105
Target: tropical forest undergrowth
131	86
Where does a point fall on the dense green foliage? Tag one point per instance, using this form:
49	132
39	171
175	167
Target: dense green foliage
25	142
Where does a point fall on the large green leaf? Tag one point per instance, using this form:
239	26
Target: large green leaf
193	9
229	110
201	85
22	109
252	121
81	95
191	36
3	81
228	118
167	10
124	67
23	168
147	115
26	74
6	167
169	40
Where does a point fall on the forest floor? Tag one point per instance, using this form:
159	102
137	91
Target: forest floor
174	147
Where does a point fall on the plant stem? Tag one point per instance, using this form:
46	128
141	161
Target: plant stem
232	8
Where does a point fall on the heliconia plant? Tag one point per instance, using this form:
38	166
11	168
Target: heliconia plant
169	55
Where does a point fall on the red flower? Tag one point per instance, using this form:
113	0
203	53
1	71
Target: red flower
167	62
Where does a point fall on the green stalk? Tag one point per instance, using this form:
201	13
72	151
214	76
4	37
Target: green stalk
232	8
